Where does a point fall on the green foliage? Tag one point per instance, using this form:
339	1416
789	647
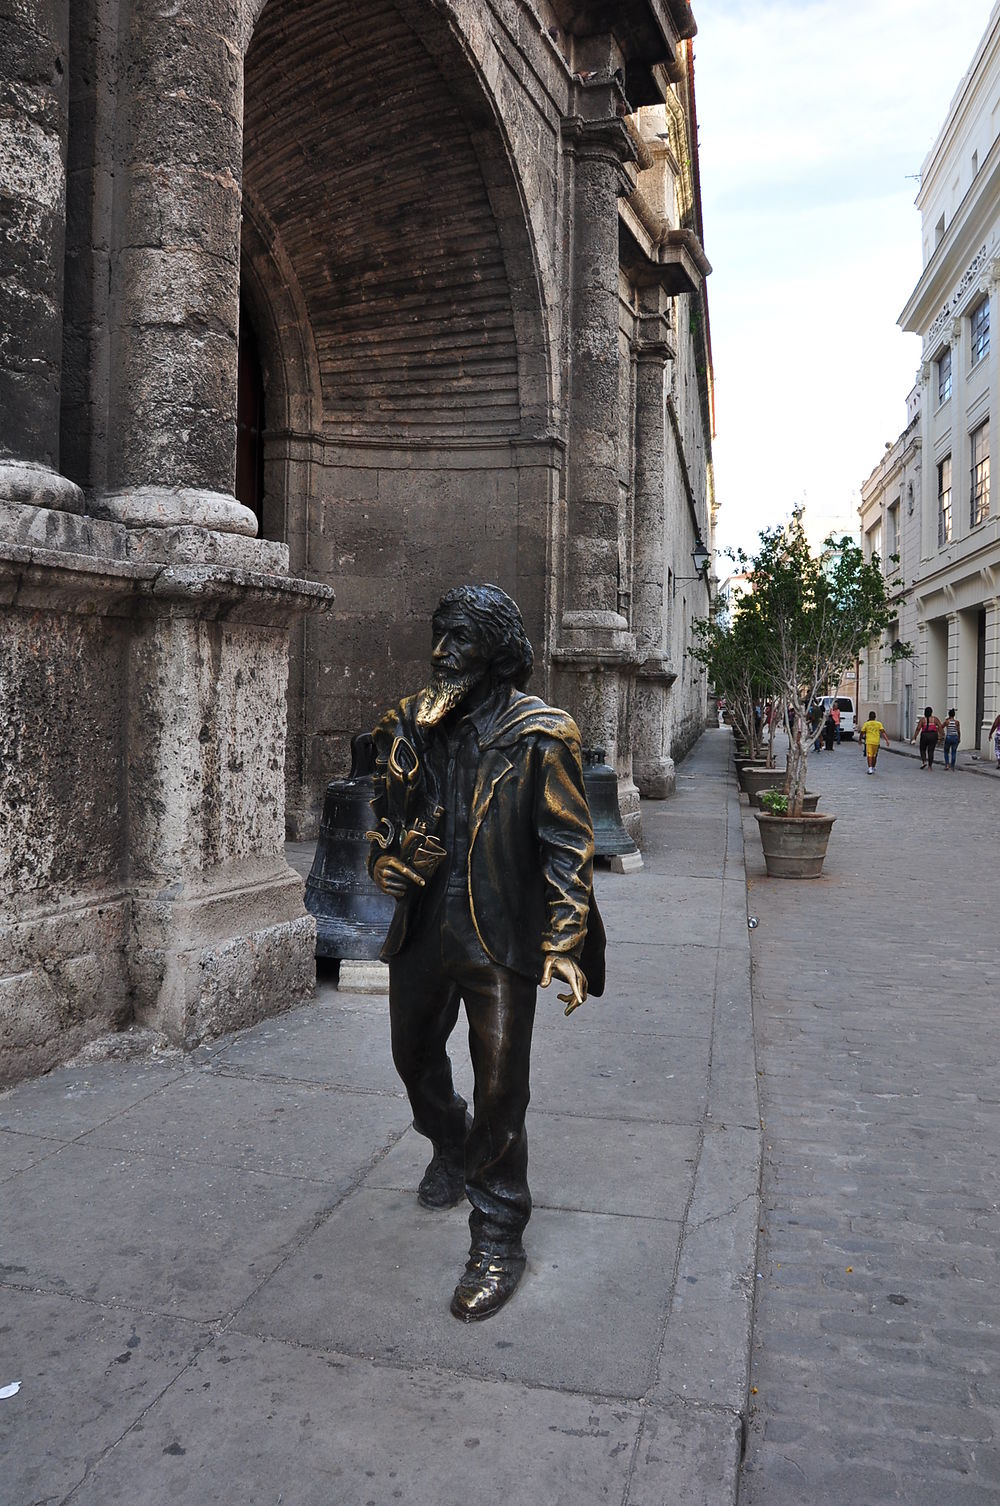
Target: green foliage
803	623
731	653
774	802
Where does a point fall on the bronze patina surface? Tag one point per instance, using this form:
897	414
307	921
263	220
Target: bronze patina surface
483	836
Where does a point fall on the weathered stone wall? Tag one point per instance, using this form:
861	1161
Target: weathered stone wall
142	752
63	675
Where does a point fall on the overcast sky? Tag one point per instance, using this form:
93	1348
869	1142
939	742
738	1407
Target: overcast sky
815	117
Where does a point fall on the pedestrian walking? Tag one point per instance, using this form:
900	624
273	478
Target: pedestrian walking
873	735
829	732
928	730
952	737
835	713
995	739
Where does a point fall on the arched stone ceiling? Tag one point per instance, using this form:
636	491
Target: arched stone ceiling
357	152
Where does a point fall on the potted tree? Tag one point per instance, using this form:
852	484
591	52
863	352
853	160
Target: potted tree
727	646
816	613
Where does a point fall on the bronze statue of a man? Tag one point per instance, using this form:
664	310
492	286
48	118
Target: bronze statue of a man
484	839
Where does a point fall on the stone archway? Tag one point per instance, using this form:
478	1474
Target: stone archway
387	262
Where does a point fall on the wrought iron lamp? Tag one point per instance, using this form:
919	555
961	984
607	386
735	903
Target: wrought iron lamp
701	557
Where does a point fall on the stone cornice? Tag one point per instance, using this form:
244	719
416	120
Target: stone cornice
45	579
968	241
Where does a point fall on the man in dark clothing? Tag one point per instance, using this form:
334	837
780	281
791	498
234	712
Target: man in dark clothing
484	838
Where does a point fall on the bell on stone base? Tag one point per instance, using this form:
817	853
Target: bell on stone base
352	915
601	783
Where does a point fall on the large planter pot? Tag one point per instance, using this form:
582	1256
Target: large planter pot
809	800
794	846
756	777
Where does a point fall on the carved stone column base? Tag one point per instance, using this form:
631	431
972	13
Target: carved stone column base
594	660
38	486
234	949
175	506
656	778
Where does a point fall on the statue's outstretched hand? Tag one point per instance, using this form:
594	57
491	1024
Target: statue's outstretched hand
394	877
558	966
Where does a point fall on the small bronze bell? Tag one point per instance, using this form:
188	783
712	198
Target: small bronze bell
601	783
352	916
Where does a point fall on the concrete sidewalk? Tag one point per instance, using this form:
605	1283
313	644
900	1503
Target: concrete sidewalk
219	1288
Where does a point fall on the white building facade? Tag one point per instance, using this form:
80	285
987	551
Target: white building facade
890	527
954	574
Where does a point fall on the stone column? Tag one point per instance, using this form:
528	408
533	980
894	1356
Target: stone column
991	672
595	648
954	661
652	766
923	669
176	275
34	43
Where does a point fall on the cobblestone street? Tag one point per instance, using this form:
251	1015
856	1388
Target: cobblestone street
876	1335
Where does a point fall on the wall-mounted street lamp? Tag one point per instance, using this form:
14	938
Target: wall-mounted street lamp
701	556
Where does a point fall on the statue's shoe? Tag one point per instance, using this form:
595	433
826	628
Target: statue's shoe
443	1183
488	1281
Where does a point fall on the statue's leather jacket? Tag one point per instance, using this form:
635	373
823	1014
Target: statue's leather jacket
531	842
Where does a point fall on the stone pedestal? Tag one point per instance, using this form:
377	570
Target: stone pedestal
363	978
594	660
142	871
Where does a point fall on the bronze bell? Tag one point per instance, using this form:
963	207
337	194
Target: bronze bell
601	783
352	916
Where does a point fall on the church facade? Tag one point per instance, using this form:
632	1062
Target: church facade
311	311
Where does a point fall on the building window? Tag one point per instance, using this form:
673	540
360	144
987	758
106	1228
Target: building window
975	163
893	518
873	541
944	374
979	501
979	326
939	232
874	666
944	501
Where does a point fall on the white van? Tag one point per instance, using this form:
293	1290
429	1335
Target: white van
846	712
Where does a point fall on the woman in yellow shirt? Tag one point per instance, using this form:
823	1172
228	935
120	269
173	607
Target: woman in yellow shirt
874	735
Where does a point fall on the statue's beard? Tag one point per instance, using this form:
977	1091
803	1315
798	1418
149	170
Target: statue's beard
442	695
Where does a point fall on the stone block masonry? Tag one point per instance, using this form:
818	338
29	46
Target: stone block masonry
142	750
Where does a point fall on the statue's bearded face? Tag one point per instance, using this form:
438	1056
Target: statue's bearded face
459	661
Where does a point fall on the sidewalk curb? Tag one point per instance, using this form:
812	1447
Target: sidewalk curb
705	1359
965	764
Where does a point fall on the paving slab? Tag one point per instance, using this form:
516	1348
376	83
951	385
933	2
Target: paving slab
18	1152
688	1455
289	1128
322	1044
588	1315
157	1233
88	1374
639	1077
589	1165
667	910
71	1100
276	1423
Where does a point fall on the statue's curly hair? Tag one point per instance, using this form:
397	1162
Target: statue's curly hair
497	618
